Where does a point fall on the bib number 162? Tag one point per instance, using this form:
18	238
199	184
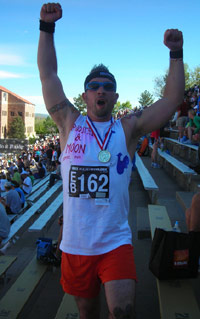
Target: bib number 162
87	181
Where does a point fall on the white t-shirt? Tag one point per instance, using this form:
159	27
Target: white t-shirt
95	191
28	182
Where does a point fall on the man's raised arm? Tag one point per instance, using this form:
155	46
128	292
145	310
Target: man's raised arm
58	106
155	116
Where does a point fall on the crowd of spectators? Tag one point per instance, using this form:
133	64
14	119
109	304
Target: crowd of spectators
18	174
187	117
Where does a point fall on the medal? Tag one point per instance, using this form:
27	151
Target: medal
104	156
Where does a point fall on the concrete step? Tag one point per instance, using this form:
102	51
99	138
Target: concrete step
185	152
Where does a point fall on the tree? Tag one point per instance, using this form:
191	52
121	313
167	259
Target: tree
49	126
17	128
195	76
160	83
39	126
80	104
191	78
146	98
121	106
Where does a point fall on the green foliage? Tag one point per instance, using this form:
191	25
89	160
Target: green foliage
45	126
121	106
17	128
39	126
192	77
32	140
49	126
195	77
146	98
80	104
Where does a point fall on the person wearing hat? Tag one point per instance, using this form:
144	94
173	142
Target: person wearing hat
26	183
15	185
96	164
12	200
4	224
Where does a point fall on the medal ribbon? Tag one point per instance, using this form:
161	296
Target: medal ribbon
102	144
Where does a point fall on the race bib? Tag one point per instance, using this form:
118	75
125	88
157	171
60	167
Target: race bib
89	181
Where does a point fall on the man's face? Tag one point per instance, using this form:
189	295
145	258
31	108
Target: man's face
100	102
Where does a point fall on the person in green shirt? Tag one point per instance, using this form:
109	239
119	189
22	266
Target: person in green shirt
17	176
193	126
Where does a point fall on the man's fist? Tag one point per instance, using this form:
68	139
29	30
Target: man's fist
51	12
173	39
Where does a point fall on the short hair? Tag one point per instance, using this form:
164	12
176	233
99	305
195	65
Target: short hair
99	71
99	68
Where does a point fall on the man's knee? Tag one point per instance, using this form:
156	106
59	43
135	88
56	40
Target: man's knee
123	313
88	308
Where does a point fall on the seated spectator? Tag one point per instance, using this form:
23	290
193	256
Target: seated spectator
20	165
4	223
17	176
49	153
26	162
31	176
12	200
56	175
182	117
3	180
54	157
11	169
15	186
41	171
193	126
155	135
26	183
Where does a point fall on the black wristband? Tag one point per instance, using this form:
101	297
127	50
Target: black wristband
176	54
48	27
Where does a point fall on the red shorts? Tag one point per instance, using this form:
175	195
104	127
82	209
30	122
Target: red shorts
82	275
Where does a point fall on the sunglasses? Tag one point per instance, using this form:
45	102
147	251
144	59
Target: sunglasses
94	86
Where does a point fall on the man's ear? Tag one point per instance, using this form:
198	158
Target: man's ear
84	97
116	97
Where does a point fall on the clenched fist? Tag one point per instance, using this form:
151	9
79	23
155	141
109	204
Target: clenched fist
173	39
51	12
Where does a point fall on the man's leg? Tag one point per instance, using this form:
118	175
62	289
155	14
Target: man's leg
120	296
89	308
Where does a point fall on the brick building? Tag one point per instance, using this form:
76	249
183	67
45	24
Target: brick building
11	106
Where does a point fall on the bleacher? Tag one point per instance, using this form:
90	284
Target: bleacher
49	201
177	298
46	201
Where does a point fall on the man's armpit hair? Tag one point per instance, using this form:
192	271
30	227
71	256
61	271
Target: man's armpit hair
137	114
62	105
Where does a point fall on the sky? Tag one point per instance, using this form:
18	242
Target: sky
124	35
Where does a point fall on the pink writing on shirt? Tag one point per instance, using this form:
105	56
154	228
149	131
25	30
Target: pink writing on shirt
75	148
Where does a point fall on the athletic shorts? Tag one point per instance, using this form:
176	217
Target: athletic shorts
182	121
83	275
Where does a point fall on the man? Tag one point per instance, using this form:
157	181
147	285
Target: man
41	171
56	175
182	117
26	183
4	224
12	200
96	163
16	186
17	176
